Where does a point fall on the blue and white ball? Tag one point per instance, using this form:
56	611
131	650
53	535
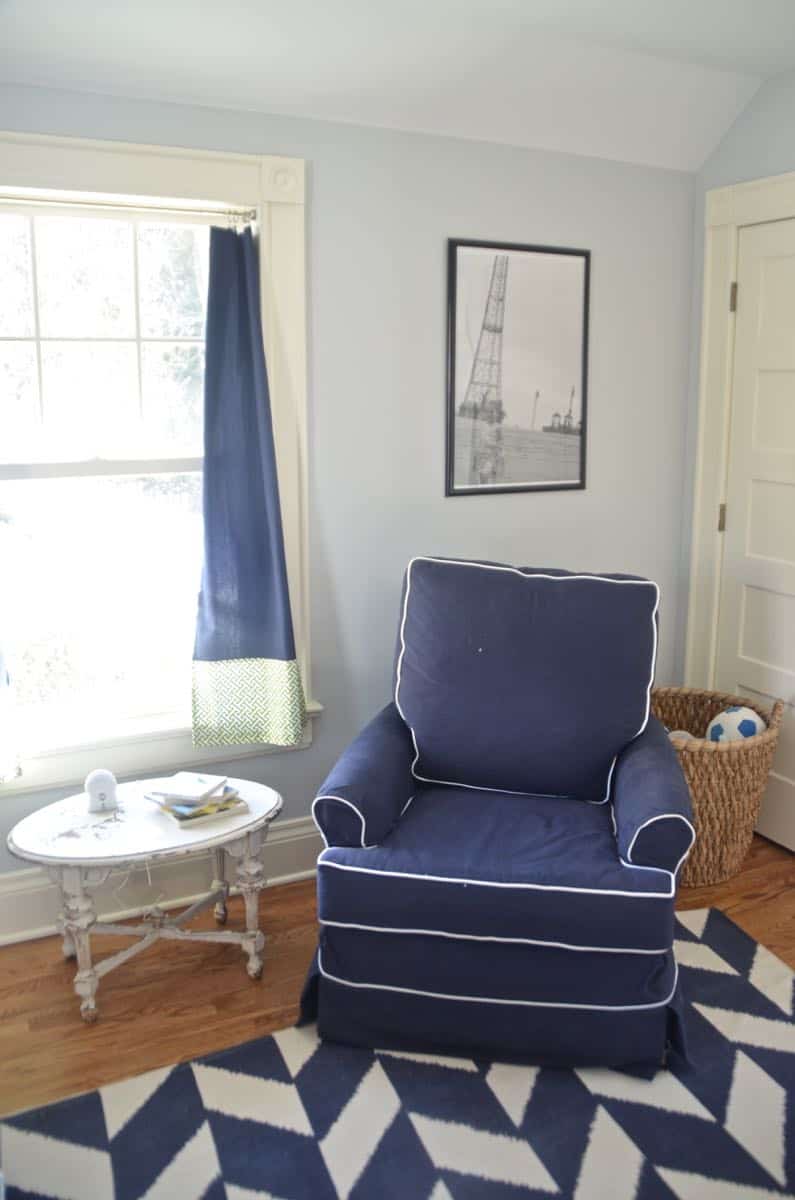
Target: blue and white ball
735	723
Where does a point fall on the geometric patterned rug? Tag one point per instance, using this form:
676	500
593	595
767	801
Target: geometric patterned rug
292	1118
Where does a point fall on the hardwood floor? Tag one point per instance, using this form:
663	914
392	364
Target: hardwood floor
178	1001
761	899
174	1002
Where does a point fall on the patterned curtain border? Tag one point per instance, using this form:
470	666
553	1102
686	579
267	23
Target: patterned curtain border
244	700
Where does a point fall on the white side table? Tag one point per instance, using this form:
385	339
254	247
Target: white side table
80	849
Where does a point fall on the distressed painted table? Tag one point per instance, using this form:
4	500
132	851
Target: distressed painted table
80	849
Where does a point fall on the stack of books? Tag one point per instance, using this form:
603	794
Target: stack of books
191	799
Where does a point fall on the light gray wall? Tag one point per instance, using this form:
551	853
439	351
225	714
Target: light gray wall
381	206
761	142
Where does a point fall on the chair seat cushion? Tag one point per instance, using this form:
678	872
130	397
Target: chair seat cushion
520	679
489	865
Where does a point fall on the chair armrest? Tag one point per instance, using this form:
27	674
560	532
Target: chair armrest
651	803
370	786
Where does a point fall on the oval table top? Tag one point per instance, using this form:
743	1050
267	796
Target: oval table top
66	833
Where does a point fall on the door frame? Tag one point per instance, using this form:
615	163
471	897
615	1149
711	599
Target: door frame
727	211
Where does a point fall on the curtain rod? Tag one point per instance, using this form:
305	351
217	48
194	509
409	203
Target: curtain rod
232	215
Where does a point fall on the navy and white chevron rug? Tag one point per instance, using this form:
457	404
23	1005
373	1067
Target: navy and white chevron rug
291	1118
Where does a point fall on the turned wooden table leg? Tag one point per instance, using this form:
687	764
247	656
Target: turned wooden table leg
251	881
78	917
68	944
220	884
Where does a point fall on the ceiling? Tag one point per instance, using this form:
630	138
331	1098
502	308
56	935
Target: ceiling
647	81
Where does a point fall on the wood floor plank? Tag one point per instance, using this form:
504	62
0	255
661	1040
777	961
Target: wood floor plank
761	899
176	1001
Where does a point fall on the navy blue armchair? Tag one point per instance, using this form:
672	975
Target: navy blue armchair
503	839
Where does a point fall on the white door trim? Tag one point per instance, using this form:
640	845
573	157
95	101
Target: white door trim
727	211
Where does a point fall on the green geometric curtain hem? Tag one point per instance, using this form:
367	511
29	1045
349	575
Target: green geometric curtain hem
242	700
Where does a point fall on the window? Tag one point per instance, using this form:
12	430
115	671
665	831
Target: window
100	434
101	376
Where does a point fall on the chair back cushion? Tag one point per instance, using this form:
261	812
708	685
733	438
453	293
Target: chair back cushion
519	679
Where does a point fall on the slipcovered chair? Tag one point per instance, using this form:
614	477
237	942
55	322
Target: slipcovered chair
503	839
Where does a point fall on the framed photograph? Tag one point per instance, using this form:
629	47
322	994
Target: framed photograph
517	367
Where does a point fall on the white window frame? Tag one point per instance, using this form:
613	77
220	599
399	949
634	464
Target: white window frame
156	176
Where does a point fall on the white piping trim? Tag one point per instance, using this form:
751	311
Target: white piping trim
606	796
359	814
478	937
663	817
540	887
406	805
350	804
388	987
685	855
318	825
639	867
457	562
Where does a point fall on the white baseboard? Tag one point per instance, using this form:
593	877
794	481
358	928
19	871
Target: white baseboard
29	901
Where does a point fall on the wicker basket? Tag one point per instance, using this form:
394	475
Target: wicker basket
726	779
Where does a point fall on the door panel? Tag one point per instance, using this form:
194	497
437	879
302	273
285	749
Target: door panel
756	632
774	412
768	628
772	520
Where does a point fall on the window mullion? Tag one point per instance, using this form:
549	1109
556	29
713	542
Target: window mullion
109	338
101	467
137	299
34	280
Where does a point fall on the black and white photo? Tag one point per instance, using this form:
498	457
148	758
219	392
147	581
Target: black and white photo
517	367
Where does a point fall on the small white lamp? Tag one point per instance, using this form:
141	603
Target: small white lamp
100	788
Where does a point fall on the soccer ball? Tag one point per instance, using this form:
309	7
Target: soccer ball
735	723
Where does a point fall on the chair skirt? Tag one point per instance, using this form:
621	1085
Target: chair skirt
540	1005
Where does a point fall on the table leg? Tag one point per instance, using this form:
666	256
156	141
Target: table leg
78	917
251	881
220	883
68	943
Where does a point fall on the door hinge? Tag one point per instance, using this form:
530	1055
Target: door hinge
733	297
722	518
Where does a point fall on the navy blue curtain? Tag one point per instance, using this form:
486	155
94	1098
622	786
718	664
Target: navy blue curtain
246	682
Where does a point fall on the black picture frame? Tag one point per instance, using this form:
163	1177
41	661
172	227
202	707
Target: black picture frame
482	416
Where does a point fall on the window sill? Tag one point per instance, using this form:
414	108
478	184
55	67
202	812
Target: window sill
141	753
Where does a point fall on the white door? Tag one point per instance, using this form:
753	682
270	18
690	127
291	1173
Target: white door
756	634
